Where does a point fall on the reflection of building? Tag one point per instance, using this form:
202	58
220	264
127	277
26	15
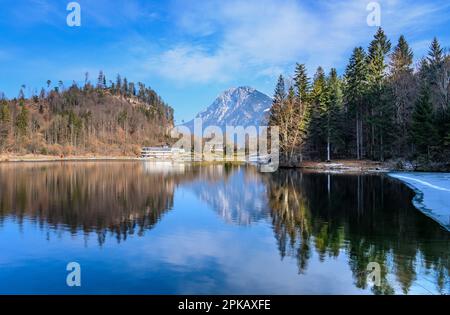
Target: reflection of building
160	152
164	167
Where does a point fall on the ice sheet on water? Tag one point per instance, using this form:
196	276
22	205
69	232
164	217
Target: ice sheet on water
432	194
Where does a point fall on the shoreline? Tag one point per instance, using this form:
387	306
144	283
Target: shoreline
347	166
336	166
50	158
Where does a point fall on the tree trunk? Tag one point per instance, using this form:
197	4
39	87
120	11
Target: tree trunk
328	147
357	136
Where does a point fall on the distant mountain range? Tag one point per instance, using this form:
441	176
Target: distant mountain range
242	106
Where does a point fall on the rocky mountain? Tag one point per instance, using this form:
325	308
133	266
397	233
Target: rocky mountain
242	106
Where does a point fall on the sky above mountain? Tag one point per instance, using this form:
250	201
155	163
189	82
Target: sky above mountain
190	50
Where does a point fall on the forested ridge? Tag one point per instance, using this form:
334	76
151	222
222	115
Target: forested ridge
383	107
114	118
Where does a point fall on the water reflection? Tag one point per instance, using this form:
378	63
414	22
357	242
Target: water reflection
369	218
238	197
101	197
328	218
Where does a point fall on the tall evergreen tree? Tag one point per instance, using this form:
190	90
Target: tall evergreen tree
302	84
22	120
403	86
436	53
100	80
423	130
356	77
438	77
125	87
402	57
118	84
318	102
331	111
280	91
5	118
379	110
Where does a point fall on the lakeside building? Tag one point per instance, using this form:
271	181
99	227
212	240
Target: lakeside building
161	152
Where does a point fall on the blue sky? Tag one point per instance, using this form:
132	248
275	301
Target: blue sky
190	51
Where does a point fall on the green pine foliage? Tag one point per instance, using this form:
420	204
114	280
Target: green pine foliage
376	110
423	131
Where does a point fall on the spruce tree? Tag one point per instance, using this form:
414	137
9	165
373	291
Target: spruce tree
100	80
402	57
436	53
379	110
118	84
403	85
5	118
22	120
318	102
302	84
423	130
331	111
280	91
438	77
355	92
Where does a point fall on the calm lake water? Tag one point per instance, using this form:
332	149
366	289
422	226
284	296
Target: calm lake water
137	227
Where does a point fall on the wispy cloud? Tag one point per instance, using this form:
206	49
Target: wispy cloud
256	37
189	48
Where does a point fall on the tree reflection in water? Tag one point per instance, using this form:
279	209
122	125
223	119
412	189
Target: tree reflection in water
370	218
364	218
101	197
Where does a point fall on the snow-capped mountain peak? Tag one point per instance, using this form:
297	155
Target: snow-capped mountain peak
241	106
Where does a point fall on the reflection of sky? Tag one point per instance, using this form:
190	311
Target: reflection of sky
230	201
191	250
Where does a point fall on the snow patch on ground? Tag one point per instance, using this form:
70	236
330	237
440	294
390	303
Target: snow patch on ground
432	194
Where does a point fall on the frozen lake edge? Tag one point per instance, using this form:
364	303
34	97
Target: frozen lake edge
432	194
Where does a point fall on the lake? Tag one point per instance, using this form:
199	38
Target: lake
163	228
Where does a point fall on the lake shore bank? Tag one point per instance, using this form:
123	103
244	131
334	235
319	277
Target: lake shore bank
335	166
347	166
53	158
368	166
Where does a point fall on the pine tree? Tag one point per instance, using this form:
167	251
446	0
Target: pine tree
423	130
356	77
100	80
403	86
118	84
378	111
5	118
438	77
22	120
436	53
402	57
318	102
125	87
280	91
302	83
331	112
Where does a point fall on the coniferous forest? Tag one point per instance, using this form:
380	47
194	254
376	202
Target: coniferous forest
384	107
108	117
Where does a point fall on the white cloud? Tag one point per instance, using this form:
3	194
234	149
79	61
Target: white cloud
258	36
194	64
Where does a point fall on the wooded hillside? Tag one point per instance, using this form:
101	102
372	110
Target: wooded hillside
114	119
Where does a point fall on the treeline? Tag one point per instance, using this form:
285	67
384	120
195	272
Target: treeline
382	108
107	118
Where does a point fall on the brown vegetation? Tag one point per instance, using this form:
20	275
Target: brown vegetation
115	120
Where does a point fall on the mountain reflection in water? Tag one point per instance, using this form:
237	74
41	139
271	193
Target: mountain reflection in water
312	219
